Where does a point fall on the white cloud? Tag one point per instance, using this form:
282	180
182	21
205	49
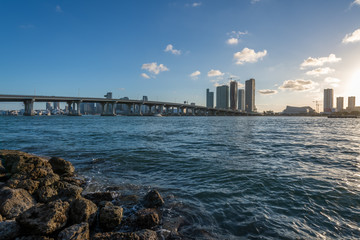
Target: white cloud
214	73
195	74
232	41
144	75
320	71
316	62
254	1
352	37
298	85
268	91
170	48
248	55
58	9
356	2
154	68
196	4
331	80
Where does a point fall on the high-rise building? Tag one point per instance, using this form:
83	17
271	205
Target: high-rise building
209	99
108	95
250	96
351	103
233	95
48	106
56	105
241	100
339	104
328	100
222	97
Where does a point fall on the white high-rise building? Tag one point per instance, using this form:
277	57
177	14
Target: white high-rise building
339	104
328	100
250	96
241	100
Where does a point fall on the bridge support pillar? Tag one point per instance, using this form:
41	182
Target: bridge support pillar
29	108
74	108
109	109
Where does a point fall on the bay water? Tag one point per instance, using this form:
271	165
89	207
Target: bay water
221	177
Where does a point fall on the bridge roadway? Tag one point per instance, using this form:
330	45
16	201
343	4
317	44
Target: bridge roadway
109	106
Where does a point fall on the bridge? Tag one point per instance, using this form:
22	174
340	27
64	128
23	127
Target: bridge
109	106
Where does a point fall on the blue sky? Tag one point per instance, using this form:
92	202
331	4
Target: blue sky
174	50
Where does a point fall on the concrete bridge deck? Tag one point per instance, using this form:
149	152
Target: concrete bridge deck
109	105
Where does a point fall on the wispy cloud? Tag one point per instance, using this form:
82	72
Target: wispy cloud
58	9
144	75
334	82
234	37
352	37
316	62
214	73
268	92
298	85
248	55
154	68
170	48
195	75
194	4
320	71
254	1
355	2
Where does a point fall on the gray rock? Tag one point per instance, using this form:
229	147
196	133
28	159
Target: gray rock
116	236
147	234
82	210
9	230
14	202
153	199
110	216
75	232
34	237
44	218
61	166
147	218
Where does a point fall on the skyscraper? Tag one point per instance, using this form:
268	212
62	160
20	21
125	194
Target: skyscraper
241	100
209	99
328	100
233	95
250	95
56	105
339	104
351	103
222	97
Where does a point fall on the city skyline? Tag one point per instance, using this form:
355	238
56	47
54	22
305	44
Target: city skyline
172	51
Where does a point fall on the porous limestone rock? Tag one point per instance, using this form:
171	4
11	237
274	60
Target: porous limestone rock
147	218
75	232
61	166
13	202
44	218
115	236
153	199
110	216
82	210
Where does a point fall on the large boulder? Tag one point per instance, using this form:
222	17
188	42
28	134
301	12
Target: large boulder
110	216
75	232
13	202
9	230
82	210
115	236
44	218
58	190
147	234
153	199
98	197
147	218
61	166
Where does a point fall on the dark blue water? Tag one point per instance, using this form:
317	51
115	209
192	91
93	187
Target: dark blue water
225	177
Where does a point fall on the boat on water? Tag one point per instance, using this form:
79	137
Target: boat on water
157	115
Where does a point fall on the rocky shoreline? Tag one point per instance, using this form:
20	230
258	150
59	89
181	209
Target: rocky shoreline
43	199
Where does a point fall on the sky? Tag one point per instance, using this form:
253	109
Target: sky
174	50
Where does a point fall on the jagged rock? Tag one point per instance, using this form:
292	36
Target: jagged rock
44	218
110	216
75	181
147	234
13	202
115	236
82	210
34	237
153	199
147	218
9	230
61	166
98	197
58	190
75	232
